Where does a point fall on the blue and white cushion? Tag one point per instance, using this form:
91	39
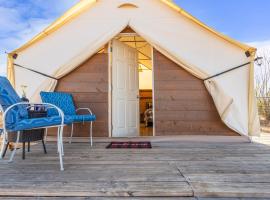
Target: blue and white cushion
62	100
65	102
17	118
28	124
8	97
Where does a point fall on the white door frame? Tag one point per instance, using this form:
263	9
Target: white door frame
110	64
153	91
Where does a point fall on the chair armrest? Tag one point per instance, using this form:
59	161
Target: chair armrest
29	105
87	109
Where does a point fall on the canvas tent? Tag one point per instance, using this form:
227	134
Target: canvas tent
200	50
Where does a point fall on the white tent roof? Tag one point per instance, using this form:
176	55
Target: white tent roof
89	25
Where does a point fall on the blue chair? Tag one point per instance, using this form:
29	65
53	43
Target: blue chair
15	118
65	102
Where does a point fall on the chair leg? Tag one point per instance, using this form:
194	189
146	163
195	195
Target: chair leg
15	146
28	146
46	134
61	139
5	150
71	134
60	146
60	134
91	133
4	143
58	139
44	146
23	151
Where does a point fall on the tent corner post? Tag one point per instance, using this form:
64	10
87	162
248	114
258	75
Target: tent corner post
253	118
10	69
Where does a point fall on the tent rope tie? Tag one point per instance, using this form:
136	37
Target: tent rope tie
232	69
37	72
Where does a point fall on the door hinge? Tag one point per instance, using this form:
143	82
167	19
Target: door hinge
111	49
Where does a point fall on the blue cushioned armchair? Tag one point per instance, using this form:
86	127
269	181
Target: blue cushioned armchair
15	118
65	102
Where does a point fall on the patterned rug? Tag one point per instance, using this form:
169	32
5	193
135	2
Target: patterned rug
129	145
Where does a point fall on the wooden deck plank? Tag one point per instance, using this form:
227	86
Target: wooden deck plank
218	189
84	189
104	198
129	198
227	178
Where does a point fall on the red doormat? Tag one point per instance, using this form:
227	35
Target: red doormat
129	145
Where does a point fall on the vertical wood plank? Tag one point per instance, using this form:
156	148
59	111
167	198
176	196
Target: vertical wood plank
89	86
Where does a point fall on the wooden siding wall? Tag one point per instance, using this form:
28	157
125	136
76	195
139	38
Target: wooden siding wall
89	86
183	105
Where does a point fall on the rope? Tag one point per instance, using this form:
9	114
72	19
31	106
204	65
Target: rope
37	72
232	69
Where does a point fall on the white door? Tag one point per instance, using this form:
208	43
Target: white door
125	91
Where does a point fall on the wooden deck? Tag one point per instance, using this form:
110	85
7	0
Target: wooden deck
169	171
